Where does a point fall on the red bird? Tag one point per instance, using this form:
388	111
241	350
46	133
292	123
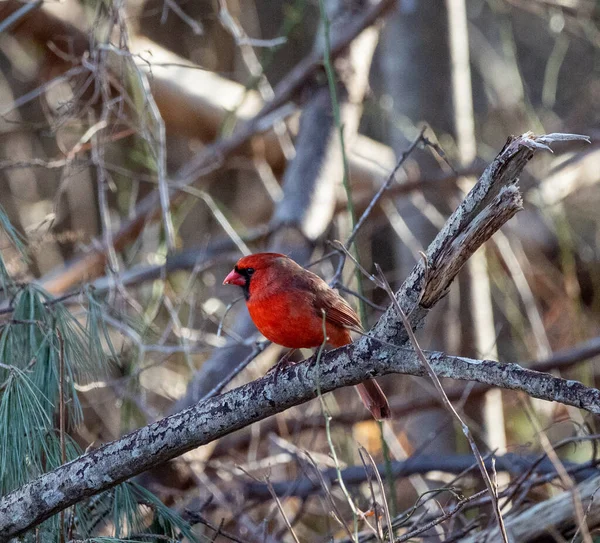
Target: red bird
286	303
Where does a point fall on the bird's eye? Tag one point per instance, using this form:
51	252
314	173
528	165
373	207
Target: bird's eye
249	271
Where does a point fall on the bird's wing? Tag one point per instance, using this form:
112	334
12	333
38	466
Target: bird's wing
337	311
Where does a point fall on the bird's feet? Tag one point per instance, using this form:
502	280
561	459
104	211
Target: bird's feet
282	363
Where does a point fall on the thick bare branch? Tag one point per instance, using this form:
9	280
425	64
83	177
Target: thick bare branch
514	464
562	360
206	421
494	193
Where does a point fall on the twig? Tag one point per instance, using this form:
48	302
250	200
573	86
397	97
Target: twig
338	516
335	281
378	529
173	5
220	218
365	215
281	510
198	518
448	514
102	182
366	300
256	70
251	528
459	464
161	143
327	417
229	307
582	526
534	521
18	14
386	509
565	479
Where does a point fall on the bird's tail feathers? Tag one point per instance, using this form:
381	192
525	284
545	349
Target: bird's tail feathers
374	399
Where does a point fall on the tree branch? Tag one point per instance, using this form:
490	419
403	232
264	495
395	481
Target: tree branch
152	445
561	360
514	464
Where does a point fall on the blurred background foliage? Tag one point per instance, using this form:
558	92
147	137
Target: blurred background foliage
105	104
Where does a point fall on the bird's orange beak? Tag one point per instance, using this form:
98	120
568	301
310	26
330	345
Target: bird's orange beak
235	278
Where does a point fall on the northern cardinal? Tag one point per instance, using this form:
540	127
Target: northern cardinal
286	303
